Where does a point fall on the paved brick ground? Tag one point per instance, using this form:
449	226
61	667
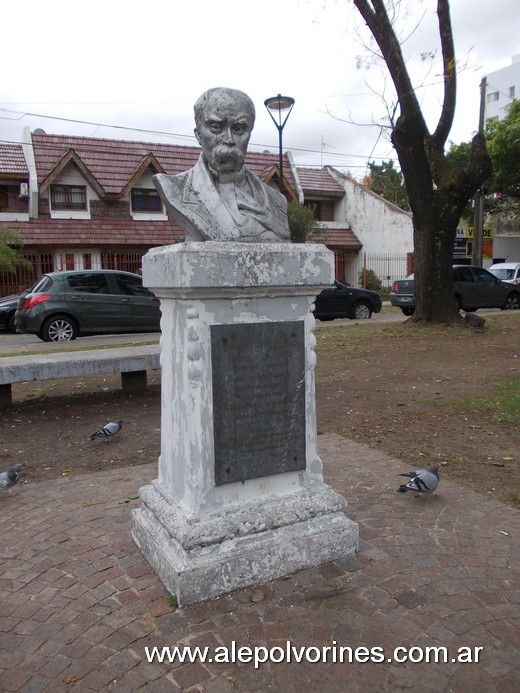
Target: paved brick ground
79	604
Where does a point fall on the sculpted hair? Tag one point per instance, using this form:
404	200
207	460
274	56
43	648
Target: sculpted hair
200	103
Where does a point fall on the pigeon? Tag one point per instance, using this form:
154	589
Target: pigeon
421	481
108	431
9	478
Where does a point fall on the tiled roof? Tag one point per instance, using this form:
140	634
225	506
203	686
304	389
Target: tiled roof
336	238
12	160
90	232
319	181
113	163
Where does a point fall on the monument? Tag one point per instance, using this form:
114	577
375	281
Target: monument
240	497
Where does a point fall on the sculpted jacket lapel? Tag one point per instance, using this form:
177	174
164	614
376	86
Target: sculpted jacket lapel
202	200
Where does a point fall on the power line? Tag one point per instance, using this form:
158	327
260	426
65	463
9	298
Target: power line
163	133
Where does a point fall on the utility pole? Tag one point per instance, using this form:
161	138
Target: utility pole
478	200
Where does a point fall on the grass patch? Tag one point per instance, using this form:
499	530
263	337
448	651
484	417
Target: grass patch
173	601
514	497
40	393
505	323
502	408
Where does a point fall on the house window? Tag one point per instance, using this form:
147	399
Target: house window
68	197
323	209
493	96
3	199
144	200
87	261
69	261
511	92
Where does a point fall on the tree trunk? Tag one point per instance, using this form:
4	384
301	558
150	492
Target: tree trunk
434	238
437	191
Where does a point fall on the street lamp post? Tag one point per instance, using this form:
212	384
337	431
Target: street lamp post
279	108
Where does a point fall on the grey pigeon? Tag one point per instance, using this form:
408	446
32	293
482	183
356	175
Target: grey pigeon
108	431
421	481
9	478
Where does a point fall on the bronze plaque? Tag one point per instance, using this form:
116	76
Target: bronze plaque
258	372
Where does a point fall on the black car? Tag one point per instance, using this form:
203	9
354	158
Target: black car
475	288
341	301
7	310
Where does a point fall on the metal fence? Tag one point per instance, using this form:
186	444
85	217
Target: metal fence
37	264
26	274
373	270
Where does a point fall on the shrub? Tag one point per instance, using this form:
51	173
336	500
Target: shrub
369	280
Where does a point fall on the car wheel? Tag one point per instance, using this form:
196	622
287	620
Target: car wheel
11	324
360	311
59	328
512	302
408	311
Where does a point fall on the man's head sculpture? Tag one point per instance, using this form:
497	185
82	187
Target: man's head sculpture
224	120
219	198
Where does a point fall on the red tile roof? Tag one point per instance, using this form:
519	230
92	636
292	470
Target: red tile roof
319	181
12	161
113	163
92	232
336	238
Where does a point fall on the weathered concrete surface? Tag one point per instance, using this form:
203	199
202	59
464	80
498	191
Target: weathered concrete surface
205	538
129	361
222	267
16	369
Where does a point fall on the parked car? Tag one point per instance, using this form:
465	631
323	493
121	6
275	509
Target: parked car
475	288
64	305
507	271
343	301
7	310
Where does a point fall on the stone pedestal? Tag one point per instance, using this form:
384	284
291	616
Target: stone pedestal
240	497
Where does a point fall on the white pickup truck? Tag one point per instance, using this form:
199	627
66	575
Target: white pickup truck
507	272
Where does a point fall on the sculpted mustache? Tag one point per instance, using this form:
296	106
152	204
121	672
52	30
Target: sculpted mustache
224	152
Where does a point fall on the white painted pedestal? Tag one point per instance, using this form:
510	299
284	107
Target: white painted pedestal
204	539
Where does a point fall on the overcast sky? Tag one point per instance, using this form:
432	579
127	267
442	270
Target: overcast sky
143	65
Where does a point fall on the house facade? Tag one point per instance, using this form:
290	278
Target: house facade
365	231
87	203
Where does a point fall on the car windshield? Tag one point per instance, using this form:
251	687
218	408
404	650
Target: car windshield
503	273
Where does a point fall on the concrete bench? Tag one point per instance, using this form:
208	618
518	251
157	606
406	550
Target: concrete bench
131	362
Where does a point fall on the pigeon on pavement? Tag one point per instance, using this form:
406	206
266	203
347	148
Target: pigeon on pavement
421	481
9	478
108	431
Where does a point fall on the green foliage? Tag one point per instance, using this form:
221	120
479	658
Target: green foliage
503	143
388	182
370	280
301	221
173	601
10	251
458	157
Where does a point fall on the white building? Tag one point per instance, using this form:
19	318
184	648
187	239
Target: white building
502	87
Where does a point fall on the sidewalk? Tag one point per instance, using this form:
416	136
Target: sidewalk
79	604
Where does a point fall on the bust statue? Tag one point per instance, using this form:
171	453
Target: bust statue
219	199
